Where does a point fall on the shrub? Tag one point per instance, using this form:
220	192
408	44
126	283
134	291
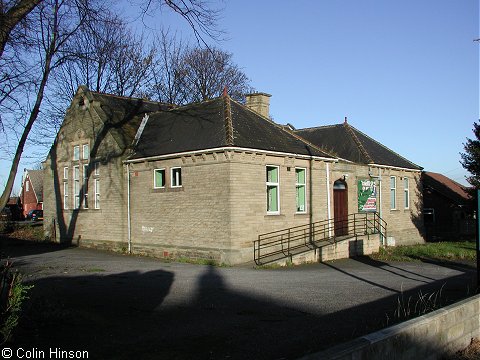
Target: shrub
12	294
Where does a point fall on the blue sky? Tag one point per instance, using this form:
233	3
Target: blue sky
405	72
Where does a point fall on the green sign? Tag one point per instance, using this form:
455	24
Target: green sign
367	196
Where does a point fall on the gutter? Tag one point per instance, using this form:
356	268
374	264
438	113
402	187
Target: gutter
394	167
222	149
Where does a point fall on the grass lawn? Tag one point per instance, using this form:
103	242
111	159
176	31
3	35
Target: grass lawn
448	250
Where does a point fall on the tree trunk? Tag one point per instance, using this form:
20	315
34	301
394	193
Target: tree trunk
31	120
9	19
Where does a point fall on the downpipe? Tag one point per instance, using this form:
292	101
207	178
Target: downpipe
129	220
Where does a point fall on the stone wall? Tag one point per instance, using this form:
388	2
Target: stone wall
248	203
189	221
404	224
104	225
431	336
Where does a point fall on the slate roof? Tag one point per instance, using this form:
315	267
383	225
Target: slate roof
220	122
125	114
36	179
347	142
446	186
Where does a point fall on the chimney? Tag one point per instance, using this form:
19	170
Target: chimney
259	102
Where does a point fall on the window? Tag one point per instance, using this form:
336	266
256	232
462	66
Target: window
76	187
65	173
85	186
176	179
85	151
301	187
97	169
97	194
65	195
158	178
406	190
273	200
27	185
393	192
76	153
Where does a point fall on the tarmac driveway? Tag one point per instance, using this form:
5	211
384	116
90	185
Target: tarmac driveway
122	307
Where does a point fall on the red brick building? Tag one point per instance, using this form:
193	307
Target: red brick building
31	195
448	208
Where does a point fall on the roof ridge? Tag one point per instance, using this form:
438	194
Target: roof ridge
130	98
445	181
450	179
318	148
357	141
282	128
385	147
227	115
318	127
180	107
256	113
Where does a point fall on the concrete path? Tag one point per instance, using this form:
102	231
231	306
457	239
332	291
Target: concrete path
122	307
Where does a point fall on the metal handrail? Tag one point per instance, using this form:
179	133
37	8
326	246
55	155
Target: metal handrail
283	243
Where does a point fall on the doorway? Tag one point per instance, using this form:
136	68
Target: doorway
340	207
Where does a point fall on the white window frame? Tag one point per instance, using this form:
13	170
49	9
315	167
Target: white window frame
76	152
85	186
304	185
155	177
65	195
393	191
406	189
273	184
176	179
76	187
27	185
65	173
97	193
85	151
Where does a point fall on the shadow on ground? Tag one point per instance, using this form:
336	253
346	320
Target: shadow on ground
12	247
122	316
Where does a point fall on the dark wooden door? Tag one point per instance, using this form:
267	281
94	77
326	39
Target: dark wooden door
340	211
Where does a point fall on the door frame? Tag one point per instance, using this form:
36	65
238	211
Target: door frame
340	207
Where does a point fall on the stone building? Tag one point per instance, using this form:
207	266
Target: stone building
207	179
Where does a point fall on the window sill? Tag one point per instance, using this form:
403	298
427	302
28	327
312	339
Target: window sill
165	189
80	210
273	216
301	214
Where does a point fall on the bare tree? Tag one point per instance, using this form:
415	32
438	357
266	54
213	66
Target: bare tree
12	12
55	24
106	57
167	83
206	72
57	21
199	14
